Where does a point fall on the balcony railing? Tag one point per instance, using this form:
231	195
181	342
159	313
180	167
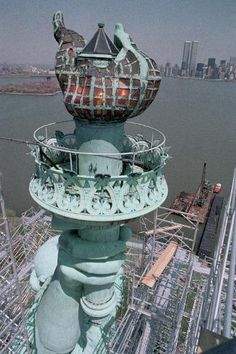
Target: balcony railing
59	187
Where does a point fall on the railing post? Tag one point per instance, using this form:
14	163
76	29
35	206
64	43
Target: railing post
153	237
134	158
71	162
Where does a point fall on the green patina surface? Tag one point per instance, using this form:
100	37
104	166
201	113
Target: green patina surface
104	81
93	181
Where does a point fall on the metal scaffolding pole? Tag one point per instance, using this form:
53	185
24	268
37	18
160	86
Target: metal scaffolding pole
218	291
230	285
224	223
153	237
219	267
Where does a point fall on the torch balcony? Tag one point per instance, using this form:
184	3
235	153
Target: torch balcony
58	187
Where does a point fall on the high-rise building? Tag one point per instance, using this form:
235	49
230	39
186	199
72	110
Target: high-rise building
175	70
168	69
223	63
193	58
189	58
199	70
211	68
186	56
222	70
232	60
211	62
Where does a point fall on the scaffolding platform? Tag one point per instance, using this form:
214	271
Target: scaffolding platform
159	266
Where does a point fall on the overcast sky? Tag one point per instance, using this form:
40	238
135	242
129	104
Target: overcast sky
159	27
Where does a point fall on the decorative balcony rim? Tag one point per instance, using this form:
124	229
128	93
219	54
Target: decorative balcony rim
108	154
102	202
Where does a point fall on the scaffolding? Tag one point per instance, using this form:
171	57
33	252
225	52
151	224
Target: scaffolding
219	312
18	245
160	311
164	318
188	296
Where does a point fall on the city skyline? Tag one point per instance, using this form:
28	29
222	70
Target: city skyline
213	68
172	62
159	27
225	70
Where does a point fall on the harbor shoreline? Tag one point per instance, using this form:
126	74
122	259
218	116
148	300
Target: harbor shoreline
31	93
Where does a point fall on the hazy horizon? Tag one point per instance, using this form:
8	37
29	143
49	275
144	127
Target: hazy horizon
159	27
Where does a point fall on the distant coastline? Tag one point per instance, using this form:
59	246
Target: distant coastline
199	79
30	93
33	88
25	75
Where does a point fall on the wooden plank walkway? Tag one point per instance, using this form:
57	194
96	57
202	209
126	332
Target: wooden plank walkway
162	262
163	229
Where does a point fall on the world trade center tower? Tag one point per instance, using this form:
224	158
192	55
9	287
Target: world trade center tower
189	58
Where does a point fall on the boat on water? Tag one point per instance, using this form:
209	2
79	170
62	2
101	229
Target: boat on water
197	204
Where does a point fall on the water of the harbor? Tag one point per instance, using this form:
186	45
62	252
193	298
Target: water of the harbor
197	117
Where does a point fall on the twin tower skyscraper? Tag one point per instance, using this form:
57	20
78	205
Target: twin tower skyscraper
188	65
